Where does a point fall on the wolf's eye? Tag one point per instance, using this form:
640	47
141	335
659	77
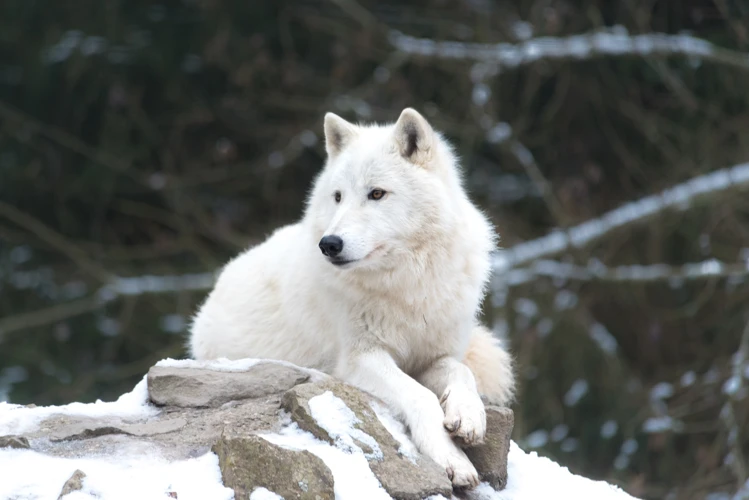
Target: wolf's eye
376	194
337	196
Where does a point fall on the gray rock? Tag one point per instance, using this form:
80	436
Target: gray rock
248	462
204	410
401	478
490	458
178	433
154	427
75	483
76	432
199	387
14	442
87	428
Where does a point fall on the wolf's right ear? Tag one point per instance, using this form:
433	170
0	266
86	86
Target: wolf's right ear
338	132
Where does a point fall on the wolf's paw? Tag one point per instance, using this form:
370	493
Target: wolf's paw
461	472
465	417
459	469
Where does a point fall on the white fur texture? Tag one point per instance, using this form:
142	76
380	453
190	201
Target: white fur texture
395	313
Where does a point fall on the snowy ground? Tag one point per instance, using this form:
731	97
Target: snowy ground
140	472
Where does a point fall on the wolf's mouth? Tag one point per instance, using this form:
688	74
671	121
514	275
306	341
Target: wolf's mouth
337	262
342	262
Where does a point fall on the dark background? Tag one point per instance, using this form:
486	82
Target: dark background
159	139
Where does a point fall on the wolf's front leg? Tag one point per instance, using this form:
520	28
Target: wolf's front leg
454	384
377	373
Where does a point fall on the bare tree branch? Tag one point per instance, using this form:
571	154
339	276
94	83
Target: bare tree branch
611	42
597	271
680	196
47	315
69	142
55	239
733	389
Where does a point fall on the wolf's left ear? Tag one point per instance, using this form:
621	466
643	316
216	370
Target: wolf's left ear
338	132
414	136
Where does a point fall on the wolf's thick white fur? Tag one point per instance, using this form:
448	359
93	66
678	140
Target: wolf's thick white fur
395	312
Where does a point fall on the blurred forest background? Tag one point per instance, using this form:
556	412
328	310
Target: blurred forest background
142	144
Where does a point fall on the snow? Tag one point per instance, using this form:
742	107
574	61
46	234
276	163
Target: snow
222	364
17	419
659	424
531	477
236	365
576	392
613	41
332	414
264	494
680	196
138	470
351	472
137	473
397	430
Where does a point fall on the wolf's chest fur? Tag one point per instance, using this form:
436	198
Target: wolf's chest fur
419	326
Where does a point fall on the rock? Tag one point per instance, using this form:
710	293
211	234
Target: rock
205	409
249	461
75	483
200	387
87	428
399	476
154	427
14	442
490	458
77	432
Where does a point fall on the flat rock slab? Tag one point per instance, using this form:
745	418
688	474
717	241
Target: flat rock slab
248	462
201	387
401	477
71	429
490	458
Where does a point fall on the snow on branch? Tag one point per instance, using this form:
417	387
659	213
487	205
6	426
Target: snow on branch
597	271
680	196
614	41
735	391
141	285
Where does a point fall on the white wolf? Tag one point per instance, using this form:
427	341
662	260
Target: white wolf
391	303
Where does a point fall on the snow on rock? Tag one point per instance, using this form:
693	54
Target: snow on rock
264	494
146	467
350	468
338	420
221	365
18	419
397	430
531	477
236	365
137	474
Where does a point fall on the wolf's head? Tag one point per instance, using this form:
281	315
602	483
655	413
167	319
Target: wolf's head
385	191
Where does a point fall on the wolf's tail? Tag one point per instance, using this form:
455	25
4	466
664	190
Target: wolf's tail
492	367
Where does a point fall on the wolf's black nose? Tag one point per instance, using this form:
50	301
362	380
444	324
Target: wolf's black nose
331	245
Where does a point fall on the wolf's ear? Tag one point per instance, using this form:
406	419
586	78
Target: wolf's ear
338	132
414	136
